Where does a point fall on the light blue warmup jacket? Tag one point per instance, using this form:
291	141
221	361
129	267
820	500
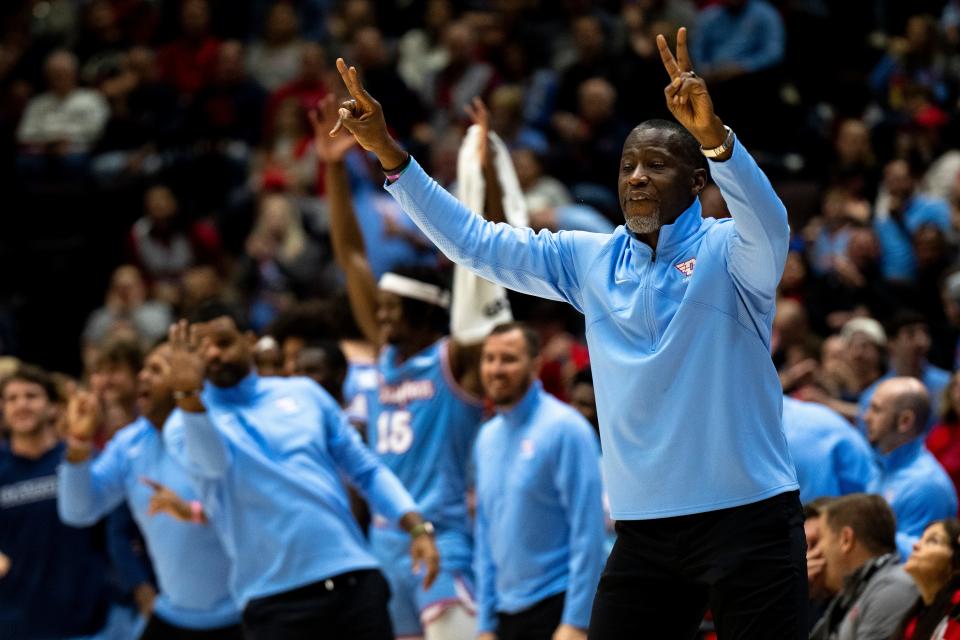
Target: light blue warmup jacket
831	456
687	395
539	524
191	566
267	457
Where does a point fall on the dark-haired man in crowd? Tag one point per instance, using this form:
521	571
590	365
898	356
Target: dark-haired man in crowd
861	567
676	307
539	533
53	578
267	455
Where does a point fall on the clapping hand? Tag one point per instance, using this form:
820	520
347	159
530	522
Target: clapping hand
687	96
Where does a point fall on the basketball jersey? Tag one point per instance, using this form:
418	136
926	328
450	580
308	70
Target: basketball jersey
422	426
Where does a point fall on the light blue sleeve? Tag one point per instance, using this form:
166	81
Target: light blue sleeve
89	490
772	44
198	445
539	264
485	571
854	464
381	488
577	477
757	249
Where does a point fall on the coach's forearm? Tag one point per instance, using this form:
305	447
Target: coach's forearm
390	154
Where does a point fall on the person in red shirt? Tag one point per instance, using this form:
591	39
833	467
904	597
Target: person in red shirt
944	439
188	62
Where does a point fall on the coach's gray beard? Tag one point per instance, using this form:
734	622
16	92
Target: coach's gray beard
644	224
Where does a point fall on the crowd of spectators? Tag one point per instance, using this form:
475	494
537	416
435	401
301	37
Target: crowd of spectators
175	135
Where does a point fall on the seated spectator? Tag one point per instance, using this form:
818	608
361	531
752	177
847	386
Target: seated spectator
851	362
53	578
591	59
146	120
274	60
164	245
188	62
912	59
934	566
900	212
507	104
62	123
113	382
463	78
420	51
378	67
861	567
944	439
854	166
308	87
126	305
908	344
830	231
831	458
286	161
736	46
102	43
281	261
591	142
540	190
909	477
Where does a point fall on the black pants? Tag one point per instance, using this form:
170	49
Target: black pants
350	606
536	623
160	629
748	564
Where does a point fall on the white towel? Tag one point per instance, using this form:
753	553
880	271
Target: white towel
479	305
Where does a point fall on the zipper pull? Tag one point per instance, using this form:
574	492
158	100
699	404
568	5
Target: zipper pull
653	255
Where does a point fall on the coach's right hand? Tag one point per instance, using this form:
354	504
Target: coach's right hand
363	117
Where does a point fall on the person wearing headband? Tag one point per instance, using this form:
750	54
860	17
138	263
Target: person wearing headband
424	416
679	311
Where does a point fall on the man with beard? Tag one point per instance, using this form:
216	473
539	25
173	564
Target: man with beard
539	543
269	455
191	566
678	307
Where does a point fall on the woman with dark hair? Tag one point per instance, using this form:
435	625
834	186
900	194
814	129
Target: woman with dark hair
935	566
944	438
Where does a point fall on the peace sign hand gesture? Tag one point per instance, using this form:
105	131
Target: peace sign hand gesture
687	96
363	117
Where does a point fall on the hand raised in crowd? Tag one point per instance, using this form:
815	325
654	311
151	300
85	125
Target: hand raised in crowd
687	96
477	111
80	423
323	119
423	551
165	500
363	117
82	416
186	367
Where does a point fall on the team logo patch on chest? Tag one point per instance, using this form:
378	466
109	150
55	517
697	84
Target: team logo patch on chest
686	267
287	405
